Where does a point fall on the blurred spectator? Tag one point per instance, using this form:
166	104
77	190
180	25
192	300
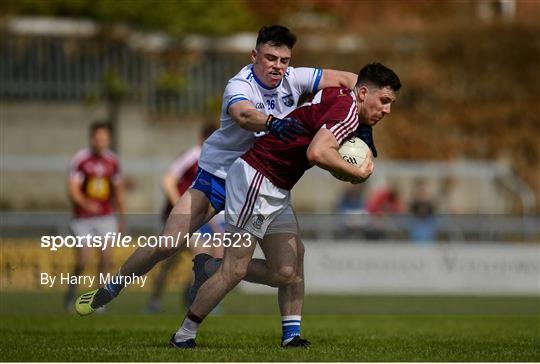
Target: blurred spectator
385	201
178	178
352	213
422	227
351	200
96	190
449	198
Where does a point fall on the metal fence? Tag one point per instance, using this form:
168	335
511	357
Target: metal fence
176	81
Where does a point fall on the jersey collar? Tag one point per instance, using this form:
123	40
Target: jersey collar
261	83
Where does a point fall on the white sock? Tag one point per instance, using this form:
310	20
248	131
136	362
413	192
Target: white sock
187	331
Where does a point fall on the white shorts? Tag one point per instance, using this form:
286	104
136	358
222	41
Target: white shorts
256	205
95	226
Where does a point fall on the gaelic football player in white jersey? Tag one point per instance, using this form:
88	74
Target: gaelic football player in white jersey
255	102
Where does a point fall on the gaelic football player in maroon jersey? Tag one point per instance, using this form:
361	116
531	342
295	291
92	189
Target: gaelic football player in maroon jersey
96	190
258	184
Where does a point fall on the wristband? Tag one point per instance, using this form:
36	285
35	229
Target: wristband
269	121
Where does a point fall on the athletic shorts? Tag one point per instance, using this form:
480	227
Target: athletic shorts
213	187
256	205
95	226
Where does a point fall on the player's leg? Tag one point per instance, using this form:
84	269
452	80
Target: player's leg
283	244
253	202
282	268
284	253
78	227
191	211
229	274
203	253
82	256
280	271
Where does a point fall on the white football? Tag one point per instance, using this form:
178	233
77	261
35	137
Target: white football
353	151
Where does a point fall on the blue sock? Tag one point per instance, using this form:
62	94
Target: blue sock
115	285
290	326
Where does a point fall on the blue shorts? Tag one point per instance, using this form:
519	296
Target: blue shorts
206	229
213	188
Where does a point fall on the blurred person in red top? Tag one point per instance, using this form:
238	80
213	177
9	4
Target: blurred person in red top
384	201
178	178
96	190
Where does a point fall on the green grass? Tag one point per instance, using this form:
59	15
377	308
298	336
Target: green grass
341	328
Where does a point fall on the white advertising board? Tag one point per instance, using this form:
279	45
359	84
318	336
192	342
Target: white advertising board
405	268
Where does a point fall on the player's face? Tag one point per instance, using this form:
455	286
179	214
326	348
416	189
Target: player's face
270	63
101	140
375	103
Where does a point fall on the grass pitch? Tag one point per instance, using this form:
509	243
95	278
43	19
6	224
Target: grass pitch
341	328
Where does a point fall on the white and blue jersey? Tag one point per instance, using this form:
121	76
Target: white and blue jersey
230	141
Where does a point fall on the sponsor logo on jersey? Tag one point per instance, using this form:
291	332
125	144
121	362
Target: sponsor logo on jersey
259	105
288	100
257	224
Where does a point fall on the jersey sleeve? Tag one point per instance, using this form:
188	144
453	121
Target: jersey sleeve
236	90
183	163
341	118
306	80
75	173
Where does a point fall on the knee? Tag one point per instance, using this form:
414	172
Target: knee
287	274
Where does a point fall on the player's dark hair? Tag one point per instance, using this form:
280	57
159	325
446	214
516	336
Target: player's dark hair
378	75
96	125
276	36
207	130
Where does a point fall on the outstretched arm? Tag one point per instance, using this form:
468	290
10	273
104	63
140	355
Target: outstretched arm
247	116
333	78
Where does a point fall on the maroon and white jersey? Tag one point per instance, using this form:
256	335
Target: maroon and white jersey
284	164
184	168
97	174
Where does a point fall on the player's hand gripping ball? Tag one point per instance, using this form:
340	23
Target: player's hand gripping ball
353	151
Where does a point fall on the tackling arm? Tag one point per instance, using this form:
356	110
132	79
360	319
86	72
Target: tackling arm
245	114
247	117
333	78
323	152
